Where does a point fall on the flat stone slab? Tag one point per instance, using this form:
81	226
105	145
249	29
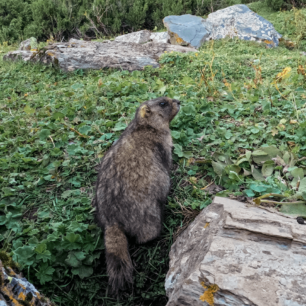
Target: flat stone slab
79	54
234	254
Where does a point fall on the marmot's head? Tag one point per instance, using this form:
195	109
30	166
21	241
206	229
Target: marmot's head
157	112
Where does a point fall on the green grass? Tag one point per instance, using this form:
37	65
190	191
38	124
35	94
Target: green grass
56	126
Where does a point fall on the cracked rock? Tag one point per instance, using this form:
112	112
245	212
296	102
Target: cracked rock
234	254
79	54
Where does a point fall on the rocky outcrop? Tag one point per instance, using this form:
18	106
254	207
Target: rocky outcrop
15	290
79	54
234	21
235	254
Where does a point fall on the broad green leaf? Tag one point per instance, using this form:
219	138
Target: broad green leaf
259	153
286	157
24	255
162	89
218	167
41	248
120	126
249	193
58	116
44	273
74	258
189	109
302	187
28	110
272	151
85	129
77	86
260	156
258	188
297	173
267	168
178	150
83	271
257	174
44	134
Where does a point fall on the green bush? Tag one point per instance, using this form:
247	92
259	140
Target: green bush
285	4
20	19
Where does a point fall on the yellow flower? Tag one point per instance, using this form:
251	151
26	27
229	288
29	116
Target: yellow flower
196	54
284	74
85	107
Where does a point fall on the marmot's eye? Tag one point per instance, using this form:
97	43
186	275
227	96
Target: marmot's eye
163	104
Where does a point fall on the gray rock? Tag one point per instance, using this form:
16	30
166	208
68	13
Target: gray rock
239	21
28	44
79	54
139	37
17	289
187	30
237	255
160	37
234	21
144	36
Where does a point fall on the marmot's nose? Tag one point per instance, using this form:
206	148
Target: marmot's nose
177	101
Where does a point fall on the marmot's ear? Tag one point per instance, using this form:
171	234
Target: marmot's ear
144	111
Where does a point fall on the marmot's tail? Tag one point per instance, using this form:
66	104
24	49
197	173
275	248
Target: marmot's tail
118	261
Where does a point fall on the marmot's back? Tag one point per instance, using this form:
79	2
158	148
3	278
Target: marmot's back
133	183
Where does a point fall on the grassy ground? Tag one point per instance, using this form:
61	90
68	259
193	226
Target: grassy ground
236	98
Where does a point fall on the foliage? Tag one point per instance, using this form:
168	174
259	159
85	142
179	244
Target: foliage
61	19
241	125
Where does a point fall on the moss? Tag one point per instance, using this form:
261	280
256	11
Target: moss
7	260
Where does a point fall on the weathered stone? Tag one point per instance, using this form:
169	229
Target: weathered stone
160	37
234	21
139	37
187	30
28	44
79	54
15	290
238	255
239	21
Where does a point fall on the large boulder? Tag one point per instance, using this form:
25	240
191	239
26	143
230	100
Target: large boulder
187	30
15	290
239	21
235	254
234	21
79	54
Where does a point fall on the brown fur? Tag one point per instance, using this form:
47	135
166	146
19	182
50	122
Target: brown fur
133	184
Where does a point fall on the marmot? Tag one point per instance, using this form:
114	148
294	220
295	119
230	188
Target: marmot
133	184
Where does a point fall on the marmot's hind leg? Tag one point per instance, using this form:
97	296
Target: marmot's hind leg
148	232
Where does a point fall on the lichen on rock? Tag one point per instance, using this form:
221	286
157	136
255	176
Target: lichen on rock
15	290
